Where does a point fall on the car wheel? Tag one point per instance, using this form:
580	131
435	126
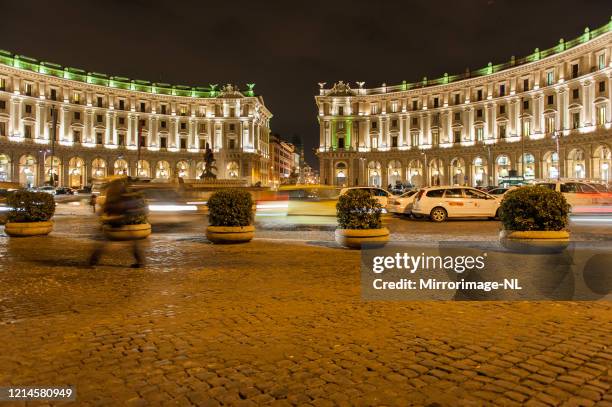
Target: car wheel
438	214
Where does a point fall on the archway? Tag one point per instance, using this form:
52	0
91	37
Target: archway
374	174
550	165
479	172
602	161
5	167
162	170
415	173
394	173
529	160
576	165
436	172
53	171
98	168
341	174
233	170
458	171
143	169
502	167
121	167
182	169
76	172
28	172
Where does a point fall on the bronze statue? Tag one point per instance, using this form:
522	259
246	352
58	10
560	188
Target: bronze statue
209	165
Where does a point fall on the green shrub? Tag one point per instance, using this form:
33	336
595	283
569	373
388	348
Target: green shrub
129	209
534	208
357	209
230	207
29	206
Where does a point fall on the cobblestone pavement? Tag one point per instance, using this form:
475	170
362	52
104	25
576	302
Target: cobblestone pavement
276	322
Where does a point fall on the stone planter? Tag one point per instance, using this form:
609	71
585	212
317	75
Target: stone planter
22	229
127	232
230	234
536	241
355	238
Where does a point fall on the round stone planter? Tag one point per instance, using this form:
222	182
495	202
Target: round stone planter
355	238
22	229
536	241
127	232
230	234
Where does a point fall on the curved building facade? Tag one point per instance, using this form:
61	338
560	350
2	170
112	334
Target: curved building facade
100	122
547	115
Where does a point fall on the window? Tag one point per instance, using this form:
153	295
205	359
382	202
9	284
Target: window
2	84
232	144
550	99
394	123
457	98
575	93
202	127
474	194
394	107
502	109
602	86
28	89
435	137
143	107
550	78
2	129
121	104
479	134
2	105
232	126
121	139
601	61
184	126
99	103
76	136
374	125
142	123
436	103
457	136
183	111
27	131
525	84
121	120
375	143
163	109
143	141
163	124
502	90
549	124
415	105
340	126
435	193
457	116
502	131
28	108
526	128
575	71
77	115
479	113
340	111
575	120
453	193
415	121
374	109
525	105
76	99
601	115
183	143
99	138
99	118
53	94
163	142
341	143
394	141
415	138
479	94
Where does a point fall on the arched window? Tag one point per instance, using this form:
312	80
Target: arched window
550	165
436	171
5	167
121	167
394	173
162	170
529	161
415	173
479	172
576	166
602	160
502	167
76	172
98	168
341	174
458	171
374	174
143	169
28	170
233	170
53	171
182	169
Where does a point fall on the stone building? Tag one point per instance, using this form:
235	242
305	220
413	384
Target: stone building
99	119
546	115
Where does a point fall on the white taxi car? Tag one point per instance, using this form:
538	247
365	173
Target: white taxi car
440	203
579	195
402	205
381	195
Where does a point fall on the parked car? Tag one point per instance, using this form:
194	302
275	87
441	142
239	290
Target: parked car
381	195
442	202
402	205
47	189
65	191
578	193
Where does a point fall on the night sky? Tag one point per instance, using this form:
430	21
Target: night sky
287	49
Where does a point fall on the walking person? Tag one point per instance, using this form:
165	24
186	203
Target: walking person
119	206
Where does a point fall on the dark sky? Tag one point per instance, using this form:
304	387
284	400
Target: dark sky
287	49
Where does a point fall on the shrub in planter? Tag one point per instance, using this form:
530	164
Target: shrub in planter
534	217
230	214
30	213
126	218
359	220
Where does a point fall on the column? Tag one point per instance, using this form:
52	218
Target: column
153	139
366	135
565	109
130	131
321	133
41	121
173	133
191	142
110	128
65	120
470	128
511	131
427	128
15	113
88	133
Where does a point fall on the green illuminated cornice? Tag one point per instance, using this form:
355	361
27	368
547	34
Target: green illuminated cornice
118	82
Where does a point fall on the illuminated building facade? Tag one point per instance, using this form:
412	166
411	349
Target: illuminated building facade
99	119
547	115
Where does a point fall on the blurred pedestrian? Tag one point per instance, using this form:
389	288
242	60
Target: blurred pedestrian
92	202
118	207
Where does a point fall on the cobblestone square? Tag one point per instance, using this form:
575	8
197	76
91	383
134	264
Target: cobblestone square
277	321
